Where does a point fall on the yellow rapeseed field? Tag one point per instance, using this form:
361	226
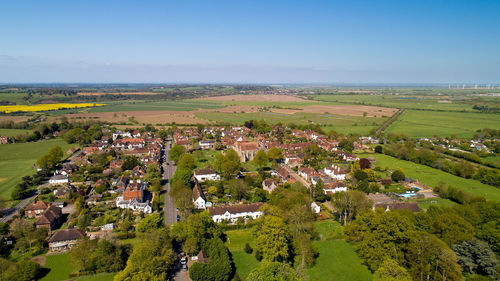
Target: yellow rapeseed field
45	107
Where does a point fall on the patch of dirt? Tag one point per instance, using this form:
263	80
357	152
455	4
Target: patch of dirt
40	260
351	110
259	97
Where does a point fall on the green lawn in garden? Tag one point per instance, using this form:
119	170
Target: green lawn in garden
59	267
236	240
17	160
96	277
432	177
419	124
337	258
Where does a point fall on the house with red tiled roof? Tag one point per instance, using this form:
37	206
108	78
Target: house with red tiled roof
35	209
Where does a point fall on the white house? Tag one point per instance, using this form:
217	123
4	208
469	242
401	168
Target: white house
199	200
334	187
122	134
207	144
232	213
315	207
335	172
134	205
59	180
206	174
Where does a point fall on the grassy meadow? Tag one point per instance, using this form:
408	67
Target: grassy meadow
441	103
419	123
13	132
58	267
174	105
17	159
432	177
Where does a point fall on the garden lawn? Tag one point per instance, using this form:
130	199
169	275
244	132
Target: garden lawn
337	259
236	240
17	160
59	267
420	124
432	177
96	277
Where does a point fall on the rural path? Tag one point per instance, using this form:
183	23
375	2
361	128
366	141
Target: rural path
8	214
169	210
389	122
297	177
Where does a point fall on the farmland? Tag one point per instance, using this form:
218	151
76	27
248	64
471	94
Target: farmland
45	107
13	132
432	177
435	123
340	123
17	159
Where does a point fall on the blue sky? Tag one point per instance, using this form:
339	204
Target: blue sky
250	41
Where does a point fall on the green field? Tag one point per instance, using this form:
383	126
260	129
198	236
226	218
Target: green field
13	132
340	123
17	159
399	101
59	268
337	259
432	177
96	277
420	124
236	240
495	160
176	105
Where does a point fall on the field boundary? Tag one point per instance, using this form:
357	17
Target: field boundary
389	122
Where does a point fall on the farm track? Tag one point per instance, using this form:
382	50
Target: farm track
389	122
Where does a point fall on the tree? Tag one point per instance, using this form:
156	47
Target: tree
318	191
398	175
431	259
476	256
153	221
275	154
130	163
273	239
272	271
183	197
238	188
349	203
181	175
364	163
232	155
230	169
390	270
379	149
176	152
380	235
260	159
186	162
219	267
27	270
151	259
153	174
